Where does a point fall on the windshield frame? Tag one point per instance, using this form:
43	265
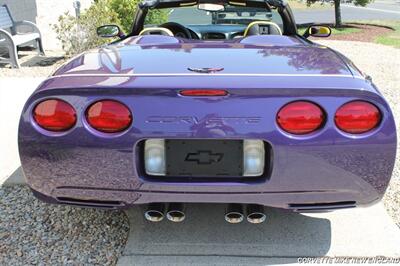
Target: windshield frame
180	3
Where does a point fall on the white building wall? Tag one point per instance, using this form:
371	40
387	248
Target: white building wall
22	9
44	13
48	12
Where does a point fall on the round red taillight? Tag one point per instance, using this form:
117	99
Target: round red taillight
357	117
109	116
300	117
54	115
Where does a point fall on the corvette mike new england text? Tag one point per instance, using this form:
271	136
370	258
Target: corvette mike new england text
348	260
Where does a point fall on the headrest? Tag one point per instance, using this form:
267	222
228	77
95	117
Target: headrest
262	28
156	31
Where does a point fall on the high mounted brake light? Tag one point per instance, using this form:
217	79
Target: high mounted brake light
203	93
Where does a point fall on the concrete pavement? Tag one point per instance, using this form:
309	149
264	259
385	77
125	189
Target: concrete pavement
13	94
204	238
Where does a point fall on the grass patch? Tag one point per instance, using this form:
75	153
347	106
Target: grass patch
339	31
391	38
336	31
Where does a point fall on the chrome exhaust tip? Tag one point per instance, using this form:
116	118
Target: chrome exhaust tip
255	214
176	212
234	213
155	212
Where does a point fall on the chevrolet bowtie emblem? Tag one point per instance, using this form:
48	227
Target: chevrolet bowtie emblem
204	157
206	69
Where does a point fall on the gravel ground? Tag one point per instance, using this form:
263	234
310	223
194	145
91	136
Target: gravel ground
35	233
32	232
382	63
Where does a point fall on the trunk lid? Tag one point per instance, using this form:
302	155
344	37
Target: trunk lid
281	55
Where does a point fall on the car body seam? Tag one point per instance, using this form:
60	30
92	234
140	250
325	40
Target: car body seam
205	75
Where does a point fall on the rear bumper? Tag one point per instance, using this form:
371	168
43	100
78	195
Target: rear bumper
310	177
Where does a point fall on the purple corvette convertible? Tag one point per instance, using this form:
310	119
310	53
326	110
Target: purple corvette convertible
225	103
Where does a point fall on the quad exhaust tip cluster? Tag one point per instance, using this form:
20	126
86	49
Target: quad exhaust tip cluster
234	214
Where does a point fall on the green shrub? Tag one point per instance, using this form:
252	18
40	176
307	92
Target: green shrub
126	10
79	34
156	17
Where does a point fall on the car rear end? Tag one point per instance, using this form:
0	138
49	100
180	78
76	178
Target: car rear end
301	143
289	125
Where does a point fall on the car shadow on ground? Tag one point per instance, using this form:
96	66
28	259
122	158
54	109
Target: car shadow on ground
283	238
42	61
30	58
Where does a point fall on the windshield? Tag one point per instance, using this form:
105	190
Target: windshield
231	15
